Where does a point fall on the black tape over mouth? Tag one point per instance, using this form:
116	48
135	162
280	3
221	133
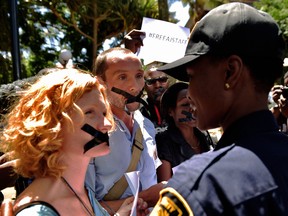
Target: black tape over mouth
99	137
188	115
158	92
130	98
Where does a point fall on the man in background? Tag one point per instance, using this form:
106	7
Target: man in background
156	82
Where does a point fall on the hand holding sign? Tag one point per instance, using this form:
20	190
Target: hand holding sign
134	40
164	41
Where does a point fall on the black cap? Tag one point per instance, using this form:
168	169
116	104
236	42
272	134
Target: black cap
233	28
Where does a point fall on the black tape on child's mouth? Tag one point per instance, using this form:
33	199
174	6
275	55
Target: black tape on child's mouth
188	115
99	137
130	98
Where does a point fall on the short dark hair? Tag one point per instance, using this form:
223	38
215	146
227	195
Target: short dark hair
264	71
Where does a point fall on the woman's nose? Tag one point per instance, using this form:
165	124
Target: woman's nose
105	126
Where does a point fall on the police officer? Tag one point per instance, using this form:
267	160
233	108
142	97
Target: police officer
233	57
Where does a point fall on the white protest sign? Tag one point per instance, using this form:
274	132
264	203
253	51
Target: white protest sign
164	41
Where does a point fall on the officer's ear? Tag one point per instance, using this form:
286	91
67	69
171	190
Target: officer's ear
234	67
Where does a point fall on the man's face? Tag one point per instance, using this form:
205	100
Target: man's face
156	83
124	72
206	92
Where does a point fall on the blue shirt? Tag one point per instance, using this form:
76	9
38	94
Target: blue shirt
40	208
104	171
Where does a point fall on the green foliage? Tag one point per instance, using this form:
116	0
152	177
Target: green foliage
198	8
5	42
5	67
47	26
278	9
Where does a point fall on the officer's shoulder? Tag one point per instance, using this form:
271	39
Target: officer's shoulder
229	159
219	169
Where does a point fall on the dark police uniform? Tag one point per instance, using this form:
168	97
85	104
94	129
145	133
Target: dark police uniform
247	174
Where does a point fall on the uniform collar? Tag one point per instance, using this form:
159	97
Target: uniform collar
251	124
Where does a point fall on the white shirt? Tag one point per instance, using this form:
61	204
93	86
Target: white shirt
104	171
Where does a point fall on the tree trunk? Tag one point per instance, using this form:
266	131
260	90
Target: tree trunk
95	33
163	10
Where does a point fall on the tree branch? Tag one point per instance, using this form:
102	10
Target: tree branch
73	24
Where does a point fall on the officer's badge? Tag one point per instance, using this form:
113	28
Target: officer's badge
171	203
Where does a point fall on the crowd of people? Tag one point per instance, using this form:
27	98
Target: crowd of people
58	125
72	134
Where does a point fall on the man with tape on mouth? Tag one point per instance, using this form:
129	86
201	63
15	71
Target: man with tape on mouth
121	72
156	82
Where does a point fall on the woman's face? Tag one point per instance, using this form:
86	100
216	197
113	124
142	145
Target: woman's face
94	111
182	104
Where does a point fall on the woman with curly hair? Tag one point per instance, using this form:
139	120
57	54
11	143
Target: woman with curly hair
58	125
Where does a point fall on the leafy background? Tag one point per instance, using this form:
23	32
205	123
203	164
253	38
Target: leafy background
48	26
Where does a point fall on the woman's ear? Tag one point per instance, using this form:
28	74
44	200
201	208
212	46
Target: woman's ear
234	71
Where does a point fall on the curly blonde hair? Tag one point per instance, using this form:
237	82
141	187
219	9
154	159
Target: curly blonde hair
33	128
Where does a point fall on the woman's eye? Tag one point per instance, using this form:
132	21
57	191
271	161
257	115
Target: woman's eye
88	112
122	77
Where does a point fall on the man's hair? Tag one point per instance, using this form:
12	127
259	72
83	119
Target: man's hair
100	65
